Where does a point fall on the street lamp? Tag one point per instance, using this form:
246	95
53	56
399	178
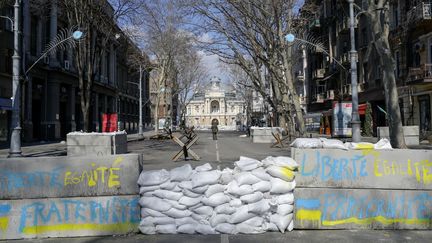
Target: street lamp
354	96
15	143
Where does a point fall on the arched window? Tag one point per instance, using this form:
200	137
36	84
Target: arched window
214	106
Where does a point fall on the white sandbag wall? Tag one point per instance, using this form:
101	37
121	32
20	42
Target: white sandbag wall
254	197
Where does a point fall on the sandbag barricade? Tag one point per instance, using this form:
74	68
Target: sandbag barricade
254	197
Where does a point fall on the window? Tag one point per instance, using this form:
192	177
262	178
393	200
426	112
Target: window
397	67
33	36
214	106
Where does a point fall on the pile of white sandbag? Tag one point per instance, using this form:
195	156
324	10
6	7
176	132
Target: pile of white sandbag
309	143
254	197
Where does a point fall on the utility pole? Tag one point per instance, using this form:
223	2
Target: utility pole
15	143
140	126
355	118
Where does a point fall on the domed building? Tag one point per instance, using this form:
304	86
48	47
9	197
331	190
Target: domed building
217	102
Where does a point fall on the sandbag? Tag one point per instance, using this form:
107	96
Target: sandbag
204	167
287	198
226	228
281	173
145	189
201	219
383	143
190	201
333	144
226	176
225	209
214	189
153	177
255	221
261	173
359	146
247	164
219	219
215	199
177	189
205	229
166	229
240	215
165	194
176	204
281	161
185	220
306	143
262	186
259	207
175	213
244	228
251	198
187	228
200	190
282	221
234	189
204	210
284	209
182	173
291	226
147	230
147	221
271	226
147	194
168	185
279	186
235	202
185	185
146	212
205	178
163	220
246	178
155	203
189	193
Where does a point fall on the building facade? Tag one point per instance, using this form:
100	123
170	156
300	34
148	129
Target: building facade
328	74
50	91
217	103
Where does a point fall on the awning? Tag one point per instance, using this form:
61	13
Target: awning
362	109
5	104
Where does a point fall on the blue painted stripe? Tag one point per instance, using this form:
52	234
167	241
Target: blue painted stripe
308	203
4	209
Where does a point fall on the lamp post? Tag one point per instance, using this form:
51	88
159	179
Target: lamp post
140	125
354	92
15	143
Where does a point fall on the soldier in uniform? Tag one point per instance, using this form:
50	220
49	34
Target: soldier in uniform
214	129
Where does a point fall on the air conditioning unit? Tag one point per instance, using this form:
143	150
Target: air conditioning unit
46	60
66	65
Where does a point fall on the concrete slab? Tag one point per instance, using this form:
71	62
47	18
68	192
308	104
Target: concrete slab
43	177
320	208
385	169
67	217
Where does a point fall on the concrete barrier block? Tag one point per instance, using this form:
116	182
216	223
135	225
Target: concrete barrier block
263	139
69	176
68	217
83	150
324	208
385	169
411	134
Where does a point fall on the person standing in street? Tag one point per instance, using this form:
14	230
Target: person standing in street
214	129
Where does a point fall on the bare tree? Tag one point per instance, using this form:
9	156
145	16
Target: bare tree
97	19
378	15
251	34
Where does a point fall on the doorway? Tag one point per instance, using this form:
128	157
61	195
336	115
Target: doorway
425	113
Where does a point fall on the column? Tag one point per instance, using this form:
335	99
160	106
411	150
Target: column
52	123
53	30
39	37
71	109
28	121
96	112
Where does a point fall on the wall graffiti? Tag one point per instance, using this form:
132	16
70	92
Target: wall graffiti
342	166
359	207
63	176
45	216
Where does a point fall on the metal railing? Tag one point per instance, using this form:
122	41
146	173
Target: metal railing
422	11
420	73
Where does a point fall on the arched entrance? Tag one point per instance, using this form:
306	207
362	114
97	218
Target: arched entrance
214	106
215	121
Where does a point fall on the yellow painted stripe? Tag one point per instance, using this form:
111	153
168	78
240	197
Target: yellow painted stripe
4	222
304	214
381	219
117	228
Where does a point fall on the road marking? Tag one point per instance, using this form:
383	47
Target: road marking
217	152
224	238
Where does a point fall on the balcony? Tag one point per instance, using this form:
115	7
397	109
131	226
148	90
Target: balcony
330	94
420	12
420	75
343	25
300	76
318	73
319	98
344	58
